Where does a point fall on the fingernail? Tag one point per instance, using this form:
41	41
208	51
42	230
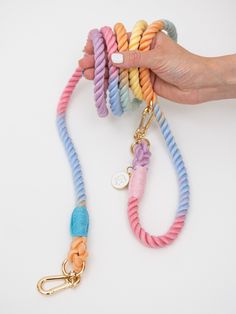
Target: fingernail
117	58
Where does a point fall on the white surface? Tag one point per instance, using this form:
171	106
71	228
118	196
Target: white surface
39	47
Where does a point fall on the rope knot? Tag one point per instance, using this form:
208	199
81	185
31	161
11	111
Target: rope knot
141	154
78	253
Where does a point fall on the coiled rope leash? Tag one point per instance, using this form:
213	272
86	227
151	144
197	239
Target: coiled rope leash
120	82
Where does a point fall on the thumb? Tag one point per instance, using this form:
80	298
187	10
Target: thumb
134	59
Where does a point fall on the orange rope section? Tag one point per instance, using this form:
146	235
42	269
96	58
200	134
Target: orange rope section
145	45
78	253
123	45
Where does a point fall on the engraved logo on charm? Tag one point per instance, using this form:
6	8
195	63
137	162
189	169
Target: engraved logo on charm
120	180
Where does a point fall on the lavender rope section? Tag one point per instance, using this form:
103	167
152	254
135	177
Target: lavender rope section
113	87
142	154
99	75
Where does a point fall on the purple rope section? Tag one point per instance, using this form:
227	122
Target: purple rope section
99	75
142	154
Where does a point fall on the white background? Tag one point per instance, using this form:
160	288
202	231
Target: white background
40	43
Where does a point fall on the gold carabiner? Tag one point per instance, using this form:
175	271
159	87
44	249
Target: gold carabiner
71	280
145	123
67	284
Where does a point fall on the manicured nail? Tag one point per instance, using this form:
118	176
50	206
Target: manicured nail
117	58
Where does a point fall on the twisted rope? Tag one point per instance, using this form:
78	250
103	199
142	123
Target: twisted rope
142	158
135	38
113	86
66	140
78	253
99	75
145	44
123	45
119	82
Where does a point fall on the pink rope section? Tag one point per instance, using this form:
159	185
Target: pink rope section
65	97
142	235
136	191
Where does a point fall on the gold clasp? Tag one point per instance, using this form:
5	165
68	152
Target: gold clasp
145	123
71	280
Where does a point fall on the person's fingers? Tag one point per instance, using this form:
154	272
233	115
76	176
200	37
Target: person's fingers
88	47
134	59
173	93
87	62
167	90
147	59
152	77
89	73
153	43
130	58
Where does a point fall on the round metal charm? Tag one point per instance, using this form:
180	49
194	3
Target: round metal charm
120	180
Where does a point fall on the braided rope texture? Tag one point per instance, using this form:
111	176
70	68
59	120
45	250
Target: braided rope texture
142	158
135	38
113	87
145	44
78	253
66	140
123	45
99	76
105	42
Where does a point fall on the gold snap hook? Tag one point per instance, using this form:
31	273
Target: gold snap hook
145	122
67	284
71	280
147	118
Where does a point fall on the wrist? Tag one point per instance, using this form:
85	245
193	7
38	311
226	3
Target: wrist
222	76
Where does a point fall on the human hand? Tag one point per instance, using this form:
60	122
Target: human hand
177	74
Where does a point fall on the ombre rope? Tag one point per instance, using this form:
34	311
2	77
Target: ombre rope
105	42
145	44
69	147
113	87
78	251
135	38
99	75
141	159
123	45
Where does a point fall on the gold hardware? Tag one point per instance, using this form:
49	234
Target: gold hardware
145	123
138	141
71	280
129	171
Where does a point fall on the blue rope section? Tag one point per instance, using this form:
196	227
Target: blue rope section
114	96
177	161
170	28
73	160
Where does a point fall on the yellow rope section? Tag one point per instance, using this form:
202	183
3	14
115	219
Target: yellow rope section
136	35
